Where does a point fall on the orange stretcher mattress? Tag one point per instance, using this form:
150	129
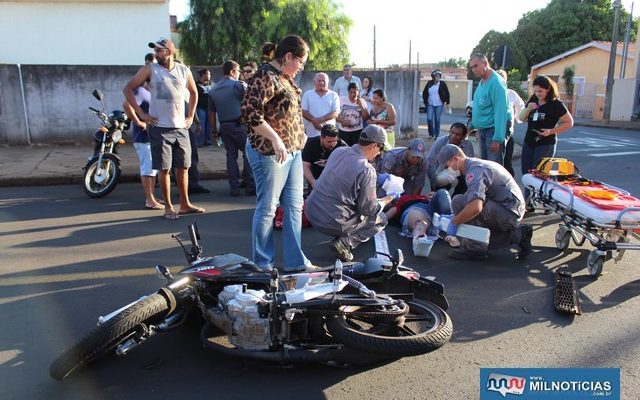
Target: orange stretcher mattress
599	202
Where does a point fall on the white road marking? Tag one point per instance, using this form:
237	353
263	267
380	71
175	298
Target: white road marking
624	153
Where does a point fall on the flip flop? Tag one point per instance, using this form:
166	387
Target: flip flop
170	216
156	207
195	210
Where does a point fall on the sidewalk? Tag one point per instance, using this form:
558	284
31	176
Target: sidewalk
62	164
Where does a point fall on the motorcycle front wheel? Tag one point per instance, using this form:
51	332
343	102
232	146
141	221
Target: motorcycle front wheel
426	327
100	180
104	339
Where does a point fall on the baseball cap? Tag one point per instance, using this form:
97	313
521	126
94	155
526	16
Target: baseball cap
416	147
163	44
446	154
374	134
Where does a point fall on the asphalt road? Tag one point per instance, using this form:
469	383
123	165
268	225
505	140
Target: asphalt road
67	259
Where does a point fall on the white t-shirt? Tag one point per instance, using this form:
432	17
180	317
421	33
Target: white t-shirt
515	105
434	96
341	86
319	106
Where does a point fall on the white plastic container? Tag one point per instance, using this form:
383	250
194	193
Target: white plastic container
422	246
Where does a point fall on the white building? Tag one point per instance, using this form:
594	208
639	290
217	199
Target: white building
80	32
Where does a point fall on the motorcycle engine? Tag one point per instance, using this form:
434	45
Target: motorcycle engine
238	315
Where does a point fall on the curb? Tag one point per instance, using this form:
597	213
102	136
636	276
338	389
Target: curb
78	180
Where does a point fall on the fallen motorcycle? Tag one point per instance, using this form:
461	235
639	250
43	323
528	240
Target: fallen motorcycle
354	314
102	171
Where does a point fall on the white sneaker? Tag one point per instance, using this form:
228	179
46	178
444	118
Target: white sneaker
452	241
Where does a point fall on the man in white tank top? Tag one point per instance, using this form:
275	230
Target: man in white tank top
166	121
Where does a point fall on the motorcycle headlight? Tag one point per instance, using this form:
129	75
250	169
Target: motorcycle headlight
116	136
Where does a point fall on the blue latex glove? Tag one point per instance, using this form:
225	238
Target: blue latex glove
396	195
451	228
381	179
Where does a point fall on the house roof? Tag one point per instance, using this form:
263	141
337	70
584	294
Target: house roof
605	46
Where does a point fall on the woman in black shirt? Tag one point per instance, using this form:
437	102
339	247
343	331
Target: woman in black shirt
547	117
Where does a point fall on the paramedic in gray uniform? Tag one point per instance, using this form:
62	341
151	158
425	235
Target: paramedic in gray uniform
493	200
408	163
343	202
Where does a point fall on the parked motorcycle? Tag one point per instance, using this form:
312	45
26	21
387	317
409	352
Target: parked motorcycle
345	315
102	171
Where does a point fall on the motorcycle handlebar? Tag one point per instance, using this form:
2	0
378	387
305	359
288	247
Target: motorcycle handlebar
94	110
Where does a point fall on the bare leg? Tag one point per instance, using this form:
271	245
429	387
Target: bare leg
165	188
182	178
148	182
420	229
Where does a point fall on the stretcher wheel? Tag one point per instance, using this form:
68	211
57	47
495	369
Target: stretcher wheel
595	262
562	238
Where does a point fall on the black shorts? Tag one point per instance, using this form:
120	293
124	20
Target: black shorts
170	147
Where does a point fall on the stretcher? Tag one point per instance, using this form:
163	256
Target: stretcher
606	216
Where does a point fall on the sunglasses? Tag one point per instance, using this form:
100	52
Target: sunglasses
247	71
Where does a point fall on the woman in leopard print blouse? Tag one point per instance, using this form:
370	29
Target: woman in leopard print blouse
272	112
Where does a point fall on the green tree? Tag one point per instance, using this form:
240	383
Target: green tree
321	23
453	63
488	45
566	24
218	30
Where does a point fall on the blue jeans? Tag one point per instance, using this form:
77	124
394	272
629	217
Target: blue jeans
531	156
486	140
440	203
433	120
205	129
277	183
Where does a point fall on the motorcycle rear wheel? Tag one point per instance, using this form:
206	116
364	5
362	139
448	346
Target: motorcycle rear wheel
426	327
111	167
107	336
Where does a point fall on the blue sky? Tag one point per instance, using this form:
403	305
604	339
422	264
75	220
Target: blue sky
438	30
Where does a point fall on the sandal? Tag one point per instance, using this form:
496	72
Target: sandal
170	215
193	210
154	207
452	241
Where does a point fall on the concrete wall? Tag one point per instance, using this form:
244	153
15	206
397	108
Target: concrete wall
54	108
399	86
623	99
96	32
460	91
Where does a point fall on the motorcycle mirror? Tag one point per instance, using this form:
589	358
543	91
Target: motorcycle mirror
98	94
195	228
193	235
400	257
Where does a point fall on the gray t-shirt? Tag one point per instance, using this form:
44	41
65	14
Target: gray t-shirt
345	192
168	95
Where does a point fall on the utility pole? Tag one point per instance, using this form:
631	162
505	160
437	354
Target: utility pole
625	48
612	60
374	47
409	54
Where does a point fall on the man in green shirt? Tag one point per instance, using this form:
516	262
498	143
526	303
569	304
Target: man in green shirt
491	116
